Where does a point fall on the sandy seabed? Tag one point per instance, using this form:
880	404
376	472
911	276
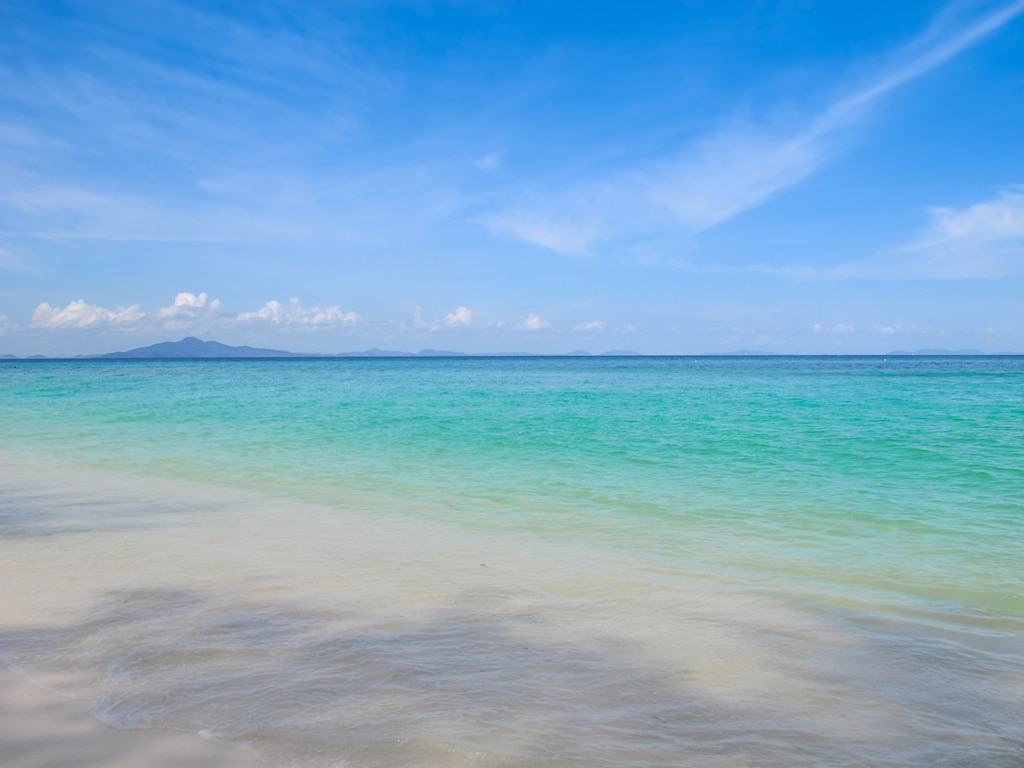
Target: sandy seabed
40	728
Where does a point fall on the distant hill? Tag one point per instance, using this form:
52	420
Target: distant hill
191	347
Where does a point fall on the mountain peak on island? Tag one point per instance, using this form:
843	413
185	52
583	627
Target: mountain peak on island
190	347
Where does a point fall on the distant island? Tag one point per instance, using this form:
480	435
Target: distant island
192	348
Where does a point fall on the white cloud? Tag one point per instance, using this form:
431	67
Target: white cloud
565	234
837	328
894	328
982	240
187	308
5	323
985	239
186	303
535	322
79	315
591	326
419	324
295	315
459	317
998	219
734	170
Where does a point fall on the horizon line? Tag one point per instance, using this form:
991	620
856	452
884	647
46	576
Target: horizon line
341	356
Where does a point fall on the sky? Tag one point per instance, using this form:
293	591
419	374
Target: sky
484	176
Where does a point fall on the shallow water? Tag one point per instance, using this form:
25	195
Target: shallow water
593	562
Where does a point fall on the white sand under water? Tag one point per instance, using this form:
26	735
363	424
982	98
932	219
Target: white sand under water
313	636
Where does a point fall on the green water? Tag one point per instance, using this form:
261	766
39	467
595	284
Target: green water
902	475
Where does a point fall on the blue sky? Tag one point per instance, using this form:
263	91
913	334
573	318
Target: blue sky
667	177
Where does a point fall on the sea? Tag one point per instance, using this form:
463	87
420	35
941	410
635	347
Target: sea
599	562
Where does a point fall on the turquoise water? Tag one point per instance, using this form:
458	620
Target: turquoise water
903	475
885	496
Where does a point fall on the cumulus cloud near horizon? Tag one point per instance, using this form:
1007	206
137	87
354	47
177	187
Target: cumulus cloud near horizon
187	308
982	240
459	317
294	314
836	328
80	315
186	302
535	322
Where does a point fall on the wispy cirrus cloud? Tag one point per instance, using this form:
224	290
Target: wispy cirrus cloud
980	241
999	219
738	168
234	128
563	233
983	240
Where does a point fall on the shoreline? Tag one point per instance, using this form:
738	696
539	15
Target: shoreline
389	640
40	728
